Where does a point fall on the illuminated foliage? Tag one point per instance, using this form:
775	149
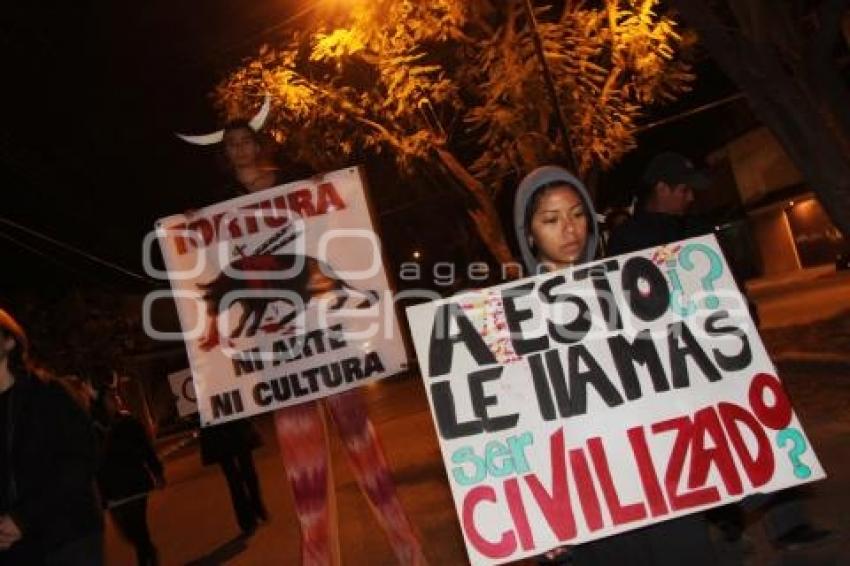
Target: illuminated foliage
421	79
608	64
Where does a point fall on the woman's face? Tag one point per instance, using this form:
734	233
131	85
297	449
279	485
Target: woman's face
559	226
241	147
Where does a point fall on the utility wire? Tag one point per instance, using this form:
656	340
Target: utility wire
38	252
271	29
254	38
689	113
74	250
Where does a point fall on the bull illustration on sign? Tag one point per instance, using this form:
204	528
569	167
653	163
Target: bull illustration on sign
243	280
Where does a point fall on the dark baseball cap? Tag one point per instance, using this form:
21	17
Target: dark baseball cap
675	169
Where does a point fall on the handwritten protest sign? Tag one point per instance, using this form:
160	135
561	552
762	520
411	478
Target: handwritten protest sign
585	402
282	296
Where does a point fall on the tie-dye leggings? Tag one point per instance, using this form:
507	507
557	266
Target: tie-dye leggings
303	440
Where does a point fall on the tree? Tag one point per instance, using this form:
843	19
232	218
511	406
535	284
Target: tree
782	56
83	329
454	86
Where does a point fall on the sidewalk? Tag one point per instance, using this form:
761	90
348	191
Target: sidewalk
800	298
823	343
785	280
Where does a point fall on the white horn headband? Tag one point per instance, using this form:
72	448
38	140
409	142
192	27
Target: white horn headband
215	137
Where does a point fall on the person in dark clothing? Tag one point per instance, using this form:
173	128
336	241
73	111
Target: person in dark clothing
129	470
662	217
48	507
230	445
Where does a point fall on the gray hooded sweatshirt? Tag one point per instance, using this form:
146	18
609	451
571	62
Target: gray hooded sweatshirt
549	175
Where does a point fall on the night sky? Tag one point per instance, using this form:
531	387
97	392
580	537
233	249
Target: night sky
94	91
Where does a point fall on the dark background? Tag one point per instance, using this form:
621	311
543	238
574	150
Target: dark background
94	91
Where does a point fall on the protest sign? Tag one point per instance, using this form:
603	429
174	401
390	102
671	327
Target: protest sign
282	296
184	392
585	402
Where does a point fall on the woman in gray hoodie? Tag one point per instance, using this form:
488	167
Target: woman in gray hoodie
554	220
556	227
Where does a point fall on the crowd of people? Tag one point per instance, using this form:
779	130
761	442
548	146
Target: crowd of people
70	452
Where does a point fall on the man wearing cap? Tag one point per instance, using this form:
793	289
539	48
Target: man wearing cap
48	508
662	215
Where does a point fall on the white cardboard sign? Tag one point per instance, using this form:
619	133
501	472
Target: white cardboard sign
582	403
282	296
